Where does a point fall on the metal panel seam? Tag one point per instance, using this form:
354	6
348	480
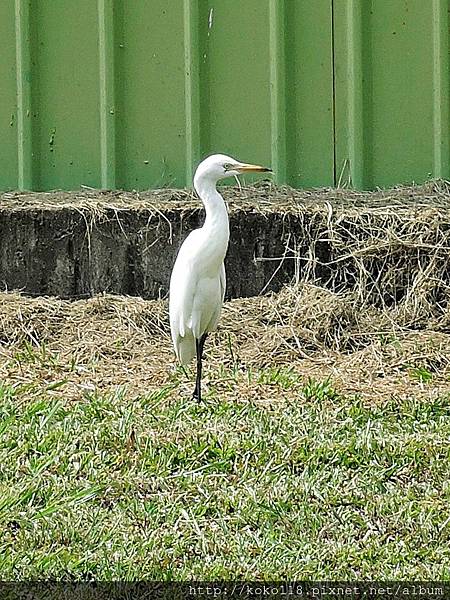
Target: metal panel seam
106	93
441	158
333	75
277	88
191	86
354	73
23	80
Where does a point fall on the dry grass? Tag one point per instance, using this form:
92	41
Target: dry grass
383	309
263	196
109	342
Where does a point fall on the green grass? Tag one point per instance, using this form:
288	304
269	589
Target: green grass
294	482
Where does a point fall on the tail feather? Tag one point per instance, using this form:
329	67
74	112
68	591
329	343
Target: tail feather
185	348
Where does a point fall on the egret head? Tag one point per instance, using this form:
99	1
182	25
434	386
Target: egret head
219	166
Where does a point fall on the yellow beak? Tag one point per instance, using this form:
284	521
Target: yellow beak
245	168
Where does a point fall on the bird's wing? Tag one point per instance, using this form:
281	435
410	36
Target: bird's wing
195	302
183	284
218	308
223	281
180	308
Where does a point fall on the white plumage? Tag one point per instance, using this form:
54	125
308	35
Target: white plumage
197	284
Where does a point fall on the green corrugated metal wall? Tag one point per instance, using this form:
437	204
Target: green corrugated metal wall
131	93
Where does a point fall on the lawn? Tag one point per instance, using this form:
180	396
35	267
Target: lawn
313	465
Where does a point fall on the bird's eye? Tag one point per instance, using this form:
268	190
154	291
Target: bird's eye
227	167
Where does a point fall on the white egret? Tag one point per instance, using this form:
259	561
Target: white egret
197	284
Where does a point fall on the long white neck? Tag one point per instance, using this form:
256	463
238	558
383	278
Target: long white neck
216	222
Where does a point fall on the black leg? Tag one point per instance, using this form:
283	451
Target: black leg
198	382
197	390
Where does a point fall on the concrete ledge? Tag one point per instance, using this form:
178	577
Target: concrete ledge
71	253
80	244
